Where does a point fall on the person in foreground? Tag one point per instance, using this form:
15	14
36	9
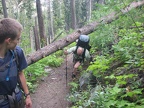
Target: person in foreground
11	95
78	57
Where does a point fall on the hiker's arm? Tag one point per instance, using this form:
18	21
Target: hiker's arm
72	49
23	82
65	52
25	88
87	55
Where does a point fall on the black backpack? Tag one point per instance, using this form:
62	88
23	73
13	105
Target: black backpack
83	41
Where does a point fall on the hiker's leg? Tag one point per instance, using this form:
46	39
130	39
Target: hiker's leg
76	67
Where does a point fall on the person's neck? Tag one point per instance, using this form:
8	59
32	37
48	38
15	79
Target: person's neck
3	51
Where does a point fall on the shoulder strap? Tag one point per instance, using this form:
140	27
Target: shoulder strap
17	63
76	50
16	57
83	55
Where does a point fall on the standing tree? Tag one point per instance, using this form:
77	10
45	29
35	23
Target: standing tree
78	12
37	41
41	24
58	17
81	12
1	11
73	14
50	22
4	9
67	14
101	1
26	17
89	8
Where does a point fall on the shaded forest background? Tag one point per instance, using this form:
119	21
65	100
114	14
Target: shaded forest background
46	20
117	46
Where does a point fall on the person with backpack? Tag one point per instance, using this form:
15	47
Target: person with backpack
12	64
80	53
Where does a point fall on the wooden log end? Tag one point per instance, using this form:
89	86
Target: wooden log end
67	39
60	48
43	54
79	31
32	60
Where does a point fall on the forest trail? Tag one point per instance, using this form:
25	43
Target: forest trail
52	91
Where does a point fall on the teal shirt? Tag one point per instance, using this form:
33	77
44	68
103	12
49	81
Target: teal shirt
72	49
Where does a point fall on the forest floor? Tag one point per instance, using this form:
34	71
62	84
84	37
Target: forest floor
52	90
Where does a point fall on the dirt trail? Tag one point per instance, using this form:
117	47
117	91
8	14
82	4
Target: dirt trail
52	92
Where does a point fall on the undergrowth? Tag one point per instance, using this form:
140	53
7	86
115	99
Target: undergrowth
118	64
36	71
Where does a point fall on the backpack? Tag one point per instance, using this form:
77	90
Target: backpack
17	63
8	69
83	41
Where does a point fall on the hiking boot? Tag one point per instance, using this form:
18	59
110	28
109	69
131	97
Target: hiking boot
73	76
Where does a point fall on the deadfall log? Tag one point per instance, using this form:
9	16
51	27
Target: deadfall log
60	44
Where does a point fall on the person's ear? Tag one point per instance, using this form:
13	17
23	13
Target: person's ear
8	40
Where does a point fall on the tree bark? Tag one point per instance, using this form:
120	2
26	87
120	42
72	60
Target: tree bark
89	9
73	14
37	41
50	23
4	9
67	14
60	44
41	25
101	1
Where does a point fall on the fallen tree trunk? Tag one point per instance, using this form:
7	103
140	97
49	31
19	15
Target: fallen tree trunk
60	44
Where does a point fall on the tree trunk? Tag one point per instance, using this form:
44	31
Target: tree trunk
41	25
89	7
50	23
60	44
4	9
60	8
101	1
32	43
37	41
67	14
73	15
49	29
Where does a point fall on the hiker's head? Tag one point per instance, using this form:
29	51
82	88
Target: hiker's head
10	29
80	50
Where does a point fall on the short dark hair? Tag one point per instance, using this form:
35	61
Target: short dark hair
9	28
